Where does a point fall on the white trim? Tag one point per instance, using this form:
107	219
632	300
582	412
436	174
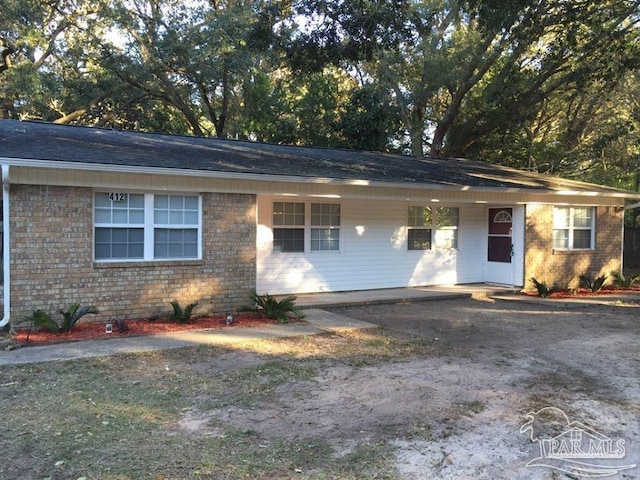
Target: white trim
149	227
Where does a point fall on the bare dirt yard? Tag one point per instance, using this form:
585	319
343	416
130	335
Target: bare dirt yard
441	390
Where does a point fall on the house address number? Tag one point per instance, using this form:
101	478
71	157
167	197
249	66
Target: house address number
116	197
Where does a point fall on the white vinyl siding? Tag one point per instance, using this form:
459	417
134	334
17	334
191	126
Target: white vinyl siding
373	252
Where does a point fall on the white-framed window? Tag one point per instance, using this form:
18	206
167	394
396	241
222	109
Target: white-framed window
325	226
428	227
573	228
295	231
288	226
420	224
447	219
146	226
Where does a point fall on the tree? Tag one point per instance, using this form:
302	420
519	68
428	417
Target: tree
460	70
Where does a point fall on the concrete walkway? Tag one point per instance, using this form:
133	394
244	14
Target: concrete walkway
316	321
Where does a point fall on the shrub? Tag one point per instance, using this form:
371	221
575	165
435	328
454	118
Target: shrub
40	319
276	309
180	315
74	313
543	290
619	280
593	285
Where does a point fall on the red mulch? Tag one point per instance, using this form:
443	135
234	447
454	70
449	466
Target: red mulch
95	330
583	292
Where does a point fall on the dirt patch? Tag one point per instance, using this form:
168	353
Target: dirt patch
456	410
443	389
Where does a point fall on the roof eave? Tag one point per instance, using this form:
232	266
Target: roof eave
133	169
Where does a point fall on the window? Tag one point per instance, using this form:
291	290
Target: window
573	228
136	226
292	227
419	232
447	227
426	225
325	226
288	226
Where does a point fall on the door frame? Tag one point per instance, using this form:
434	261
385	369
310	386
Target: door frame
500	273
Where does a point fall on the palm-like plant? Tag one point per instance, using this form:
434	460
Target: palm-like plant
276	309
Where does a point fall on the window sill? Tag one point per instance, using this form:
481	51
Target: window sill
572	252
148	264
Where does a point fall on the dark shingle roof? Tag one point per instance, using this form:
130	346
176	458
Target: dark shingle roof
112	148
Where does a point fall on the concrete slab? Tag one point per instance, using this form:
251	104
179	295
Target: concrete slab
333	322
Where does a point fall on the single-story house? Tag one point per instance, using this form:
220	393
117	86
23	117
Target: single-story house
129	221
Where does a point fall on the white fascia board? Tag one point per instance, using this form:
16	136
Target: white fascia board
131	169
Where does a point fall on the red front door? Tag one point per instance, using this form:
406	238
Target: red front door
500	228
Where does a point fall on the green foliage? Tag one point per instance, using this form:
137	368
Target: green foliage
181	315
620	281
543	289
276	309
593	284
74	313
41	319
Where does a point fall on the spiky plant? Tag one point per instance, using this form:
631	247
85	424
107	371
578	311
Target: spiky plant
593	284
74	313
542	288
181	315
276	309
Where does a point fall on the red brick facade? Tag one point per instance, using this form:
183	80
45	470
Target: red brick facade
563	268
52	258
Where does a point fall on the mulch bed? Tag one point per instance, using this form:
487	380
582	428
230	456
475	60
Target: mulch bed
97	330
584	292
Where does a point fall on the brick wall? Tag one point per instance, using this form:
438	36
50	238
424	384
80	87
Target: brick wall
52	259
564	267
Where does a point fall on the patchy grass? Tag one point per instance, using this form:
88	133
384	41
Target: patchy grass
119	418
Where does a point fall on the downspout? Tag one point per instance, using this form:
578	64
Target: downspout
5	245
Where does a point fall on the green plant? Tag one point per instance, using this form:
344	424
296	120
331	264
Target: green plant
543	289
619	280
41	319
276	309
593	285
181	315
74	313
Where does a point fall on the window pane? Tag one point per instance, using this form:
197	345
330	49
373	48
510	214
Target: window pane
288	240
582	239
288	213
447	238
419	239
175	243
136	200
161	202
119	243
191	218
176	217
102	200
161	217
120	216
561	217
103	215
191	203
582	217
325	239
419	217
447	217
561	238
325	214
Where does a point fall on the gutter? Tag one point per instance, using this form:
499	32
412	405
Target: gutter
5	245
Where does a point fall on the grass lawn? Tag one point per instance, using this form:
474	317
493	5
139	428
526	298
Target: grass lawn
137	416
